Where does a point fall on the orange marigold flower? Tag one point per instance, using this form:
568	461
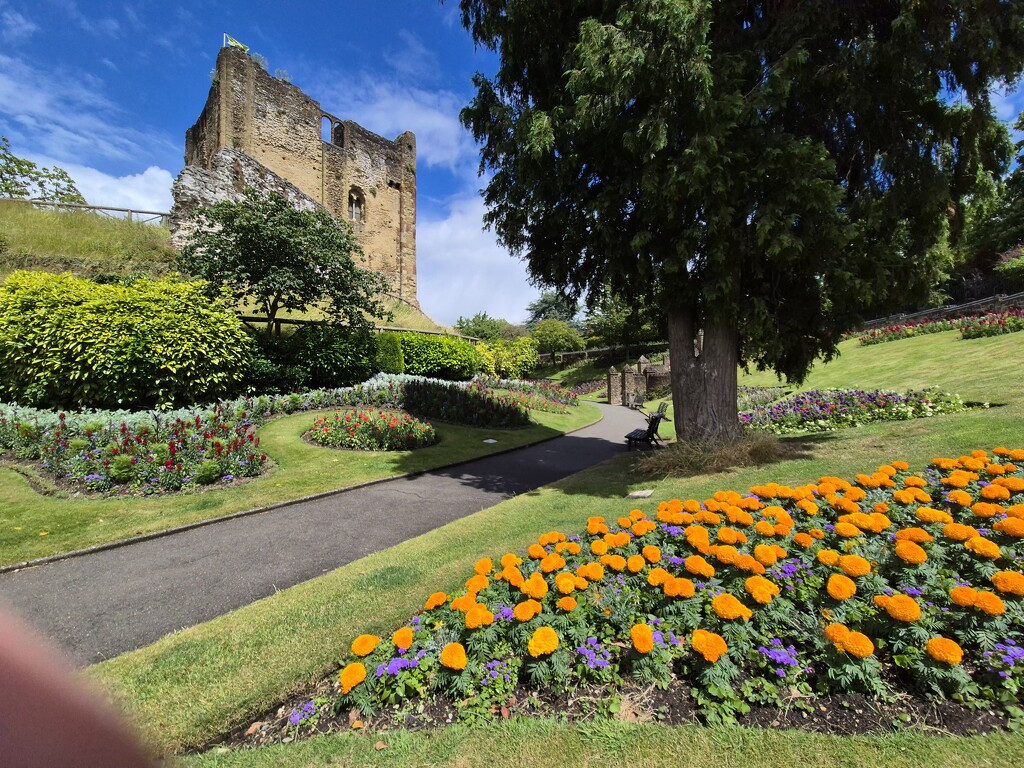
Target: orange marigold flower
761	589
765	528
475	583
837	633
510	560
698	566
484	566
543	642
858	644
536	551
566	603
643	527
1011	526
635	563
916	535
841	587
403	638
526	610
552	563
1009	582
995	492
804	540
513	576
982	547
748	563
479	616
914	480
364	645
463	602
351	676
910	552
651	553
643	638
817	533
929	515
535	586
615	562
847	530
453	656
990	603
961	498
959	532
902	466
565	583
899	607
726	606
436	599
709	645
828	557
678	587
854	565
591	571
624	522
599	547
986	509
727	554
963	596
765	555
945	650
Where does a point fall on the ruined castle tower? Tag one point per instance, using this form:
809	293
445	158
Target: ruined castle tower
259	131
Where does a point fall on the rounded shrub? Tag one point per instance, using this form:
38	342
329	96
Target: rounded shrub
68	342
438	357
334	356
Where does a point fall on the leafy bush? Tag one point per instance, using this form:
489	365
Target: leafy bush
372	430
832	587
508	359
389	354
556	336
824	410
334	356
71	342
440	357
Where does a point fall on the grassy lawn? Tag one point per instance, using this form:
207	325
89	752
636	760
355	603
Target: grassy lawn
198	683
302	469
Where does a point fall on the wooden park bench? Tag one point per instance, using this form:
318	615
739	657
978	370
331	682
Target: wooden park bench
649	436
634	401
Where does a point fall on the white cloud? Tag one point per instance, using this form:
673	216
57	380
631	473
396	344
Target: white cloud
412	58
462	270
67	117
149	190
14	27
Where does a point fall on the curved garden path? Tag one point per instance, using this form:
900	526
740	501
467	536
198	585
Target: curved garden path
105	603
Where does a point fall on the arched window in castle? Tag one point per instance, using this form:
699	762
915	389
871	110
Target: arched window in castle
326	126
356	206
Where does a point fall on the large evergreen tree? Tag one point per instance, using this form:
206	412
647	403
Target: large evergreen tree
767	172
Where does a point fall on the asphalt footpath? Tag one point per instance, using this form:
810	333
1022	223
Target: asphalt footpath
102	604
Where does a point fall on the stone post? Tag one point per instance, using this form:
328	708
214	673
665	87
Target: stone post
614	387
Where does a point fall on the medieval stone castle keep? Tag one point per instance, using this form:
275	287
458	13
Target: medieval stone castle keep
259	131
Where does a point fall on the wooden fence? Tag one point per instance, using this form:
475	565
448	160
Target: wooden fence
998	303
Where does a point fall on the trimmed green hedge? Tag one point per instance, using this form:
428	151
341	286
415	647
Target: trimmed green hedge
334	356
389	354
67	342
508	359
439	357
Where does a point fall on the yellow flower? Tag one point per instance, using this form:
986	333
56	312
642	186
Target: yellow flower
453	656
643	638
543	642
364	645
945	650
351	676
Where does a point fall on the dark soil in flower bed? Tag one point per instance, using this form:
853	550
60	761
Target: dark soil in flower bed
846	715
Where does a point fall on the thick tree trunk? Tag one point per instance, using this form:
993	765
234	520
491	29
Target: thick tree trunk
703	378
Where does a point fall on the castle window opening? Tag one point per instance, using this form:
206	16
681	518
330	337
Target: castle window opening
356	205
326	127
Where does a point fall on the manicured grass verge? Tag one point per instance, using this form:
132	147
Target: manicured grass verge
543	743
303	469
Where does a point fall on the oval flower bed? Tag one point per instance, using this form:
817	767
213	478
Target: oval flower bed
896	582
372	430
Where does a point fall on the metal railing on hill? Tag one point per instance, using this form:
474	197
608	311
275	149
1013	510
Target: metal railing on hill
131	214
996	303
280	322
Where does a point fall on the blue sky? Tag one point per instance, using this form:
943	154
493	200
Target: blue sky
107	90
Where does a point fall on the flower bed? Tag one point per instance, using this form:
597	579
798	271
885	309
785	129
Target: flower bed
994	324
535	395
898	580
971	327
372	430
824	410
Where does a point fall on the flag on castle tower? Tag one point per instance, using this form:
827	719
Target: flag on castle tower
229	40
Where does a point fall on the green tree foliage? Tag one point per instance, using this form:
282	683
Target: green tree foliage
613	322
389	354
551	306
334	356
67	342
270	253
766	173
23	179
554	335
483	326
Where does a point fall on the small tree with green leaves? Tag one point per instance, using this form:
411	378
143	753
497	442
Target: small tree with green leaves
483	326
280	258
24	180
551	306
556	336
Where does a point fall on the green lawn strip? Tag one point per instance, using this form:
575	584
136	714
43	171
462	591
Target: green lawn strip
302	469
201	682
543	743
